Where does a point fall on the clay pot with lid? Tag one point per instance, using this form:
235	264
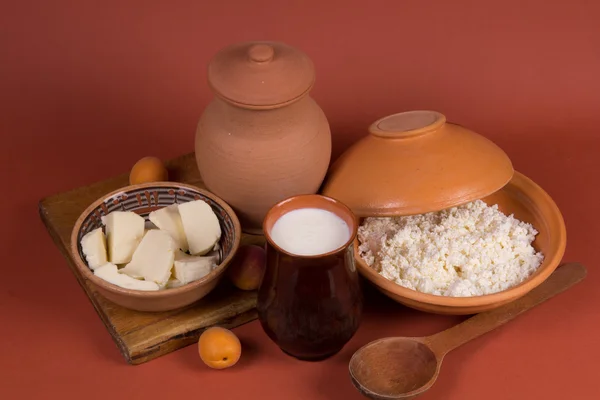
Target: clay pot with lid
416	162
262	138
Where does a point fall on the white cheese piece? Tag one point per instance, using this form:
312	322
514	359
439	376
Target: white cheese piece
153	258
214	253
169	220
173	283
201	226
93	245
162	286
180	255
124	230
110	273
193	268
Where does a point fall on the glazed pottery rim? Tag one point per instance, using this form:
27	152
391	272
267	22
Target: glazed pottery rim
155	294
549	264
348	243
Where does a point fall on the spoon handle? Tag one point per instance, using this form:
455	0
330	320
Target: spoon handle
563	278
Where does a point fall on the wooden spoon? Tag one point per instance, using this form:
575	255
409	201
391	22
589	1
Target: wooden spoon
403	368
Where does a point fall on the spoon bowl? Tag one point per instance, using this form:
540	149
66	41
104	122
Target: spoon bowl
394	368
403	367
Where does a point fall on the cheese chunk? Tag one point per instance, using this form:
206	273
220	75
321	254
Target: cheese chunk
153	258
93	245
124	230
201	226
180	255
191	269
110	273
173	283
169	220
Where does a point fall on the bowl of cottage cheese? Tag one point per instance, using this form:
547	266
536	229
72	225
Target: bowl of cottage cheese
469	258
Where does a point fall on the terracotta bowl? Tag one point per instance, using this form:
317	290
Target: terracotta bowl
143	199
528	202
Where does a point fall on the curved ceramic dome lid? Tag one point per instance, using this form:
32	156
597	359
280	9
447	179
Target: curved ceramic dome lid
261	74
415	162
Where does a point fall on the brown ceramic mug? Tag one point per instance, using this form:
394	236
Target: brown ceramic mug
310	306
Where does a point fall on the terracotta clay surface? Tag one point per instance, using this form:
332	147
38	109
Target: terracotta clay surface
143	199
88	88
404	368
261	75
528	202
262	138
310	306
416	162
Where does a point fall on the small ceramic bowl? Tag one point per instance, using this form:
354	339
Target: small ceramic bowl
528	202
144	199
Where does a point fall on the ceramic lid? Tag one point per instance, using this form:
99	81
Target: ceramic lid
261	74
415	162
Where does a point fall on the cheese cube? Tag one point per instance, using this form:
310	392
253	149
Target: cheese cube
193	268
173	283
110	273
153	258
169	220
124	230
93	245
201	226
180	255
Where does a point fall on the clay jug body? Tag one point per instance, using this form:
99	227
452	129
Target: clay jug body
310	306
254	156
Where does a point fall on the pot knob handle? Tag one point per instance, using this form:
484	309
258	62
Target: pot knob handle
261	53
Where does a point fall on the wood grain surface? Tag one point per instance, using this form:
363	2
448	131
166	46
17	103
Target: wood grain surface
143	336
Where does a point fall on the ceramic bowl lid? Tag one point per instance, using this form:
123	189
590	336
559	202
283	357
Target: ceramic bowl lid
261	74
415	162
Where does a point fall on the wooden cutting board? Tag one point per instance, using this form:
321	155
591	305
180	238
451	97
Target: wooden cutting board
142	336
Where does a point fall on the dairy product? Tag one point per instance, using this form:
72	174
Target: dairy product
93	245
153	258
173	283
469	250
141	253
310	231
169	220
190	269
110	273
201	226
124	230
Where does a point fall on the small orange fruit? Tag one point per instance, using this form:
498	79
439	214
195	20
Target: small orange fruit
219	348
248	267
148	169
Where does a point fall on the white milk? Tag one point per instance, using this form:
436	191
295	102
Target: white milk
310	231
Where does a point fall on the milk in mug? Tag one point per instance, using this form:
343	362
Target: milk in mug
310	231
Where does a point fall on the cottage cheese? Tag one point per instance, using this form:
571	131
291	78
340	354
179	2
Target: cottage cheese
470	250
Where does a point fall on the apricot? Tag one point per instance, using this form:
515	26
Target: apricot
148	169
219	348
248	267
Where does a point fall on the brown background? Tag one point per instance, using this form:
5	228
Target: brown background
88	87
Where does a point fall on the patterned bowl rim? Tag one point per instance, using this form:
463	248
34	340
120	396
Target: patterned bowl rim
214	274
533	193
